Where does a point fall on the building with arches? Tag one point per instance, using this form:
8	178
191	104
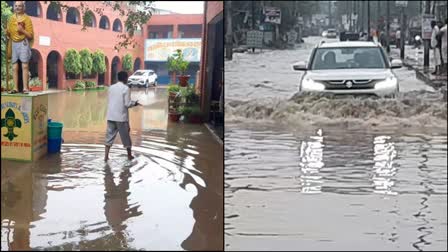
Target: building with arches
57	30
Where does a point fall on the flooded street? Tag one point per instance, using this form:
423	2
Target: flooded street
311	172
168	198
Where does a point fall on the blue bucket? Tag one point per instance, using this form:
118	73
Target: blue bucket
54	145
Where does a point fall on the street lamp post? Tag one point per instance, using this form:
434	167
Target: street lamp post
368	21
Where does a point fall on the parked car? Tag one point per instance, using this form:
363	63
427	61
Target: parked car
350	67
143	78
348	36
331	33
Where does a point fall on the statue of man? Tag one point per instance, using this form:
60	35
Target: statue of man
20	34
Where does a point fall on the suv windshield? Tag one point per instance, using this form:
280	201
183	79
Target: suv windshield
348	58
139	73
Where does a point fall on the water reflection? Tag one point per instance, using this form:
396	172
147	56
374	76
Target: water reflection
384	169
169	197
311	156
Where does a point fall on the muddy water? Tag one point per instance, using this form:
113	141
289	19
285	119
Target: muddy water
311	172
168	198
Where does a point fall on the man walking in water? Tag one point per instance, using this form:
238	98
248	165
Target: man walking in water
117	114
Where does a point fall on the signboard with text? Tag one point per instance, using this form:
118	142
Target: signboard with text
426	26
272	15
40	121
403	4
16	119
159	49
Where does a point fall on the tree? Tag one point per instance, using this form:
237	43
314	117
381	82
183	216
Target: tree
72	62
98	62
137	14
127	62
86	61
6	13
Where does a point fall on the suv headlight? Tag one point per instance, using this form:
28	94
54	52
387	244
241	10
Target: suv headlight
389	82
310	85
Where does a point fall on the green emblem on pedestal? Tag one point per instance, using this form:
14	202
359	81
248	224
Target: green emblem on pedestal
10	122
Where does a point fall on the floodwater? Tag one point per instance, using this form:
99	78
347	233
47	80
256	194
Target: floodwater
312	172
169	198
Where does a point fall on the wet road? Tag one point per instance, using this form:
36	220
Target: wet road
320	173
168	198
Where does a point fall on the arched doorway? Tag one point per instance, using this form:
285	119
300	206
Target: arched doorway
35	66
102	77
137	64
114	69
54	61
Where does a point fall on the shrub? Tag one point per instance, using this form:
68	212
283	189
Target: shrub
80	85
72	62
127	62
90	84
99	62
86	61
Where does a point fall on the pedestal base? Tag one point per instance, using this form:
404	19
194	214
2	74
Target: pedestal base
24	126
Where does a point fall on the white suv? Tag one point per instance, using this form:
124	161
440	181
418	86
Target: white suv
349	68
143	78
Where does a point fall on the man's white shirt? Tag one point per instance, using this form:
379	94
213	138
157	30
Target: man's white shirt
119	102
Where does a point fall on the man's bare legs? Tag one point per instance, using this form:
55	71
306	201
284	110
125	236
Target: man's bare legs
106	155
26	76
130	157
15	76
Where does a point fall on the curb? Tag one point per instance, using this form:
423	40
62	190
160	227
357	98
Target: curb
217	138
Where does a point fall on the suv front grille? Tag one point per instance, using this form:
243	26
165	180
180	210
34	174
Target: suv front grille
341	84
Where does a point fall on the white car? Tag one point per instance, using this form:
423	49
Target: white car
351	67
143	78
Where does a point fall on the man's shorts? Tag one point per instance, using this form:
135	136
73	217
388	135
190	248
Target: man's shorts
118	127
21	50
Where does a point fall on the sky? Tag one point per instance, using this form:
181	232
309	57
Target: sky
183	7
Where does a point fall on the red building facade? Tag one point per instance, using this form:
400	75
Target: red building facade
56	31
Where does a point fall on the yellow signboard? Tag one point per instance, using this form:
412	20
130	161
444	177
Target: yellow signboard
16	127
24	126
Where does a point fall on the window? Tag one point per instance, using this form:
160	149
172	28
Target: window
348	58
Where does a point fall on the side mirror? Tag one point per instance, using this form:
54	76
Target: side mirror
396	63
300	66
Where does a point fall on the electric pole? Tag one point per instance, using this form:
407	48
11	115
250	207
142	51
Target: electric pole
402	32
329	13
426	42
387	26
368	22
253	15
229	34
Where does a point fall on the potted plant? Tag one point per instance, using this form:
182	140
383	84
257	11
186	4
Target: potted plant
174	114
173	90
35	84
190	95
177	64
79	85
195	115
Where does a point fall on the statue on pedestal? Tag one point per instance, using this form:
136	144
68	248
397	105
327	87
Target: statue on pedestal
20	37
